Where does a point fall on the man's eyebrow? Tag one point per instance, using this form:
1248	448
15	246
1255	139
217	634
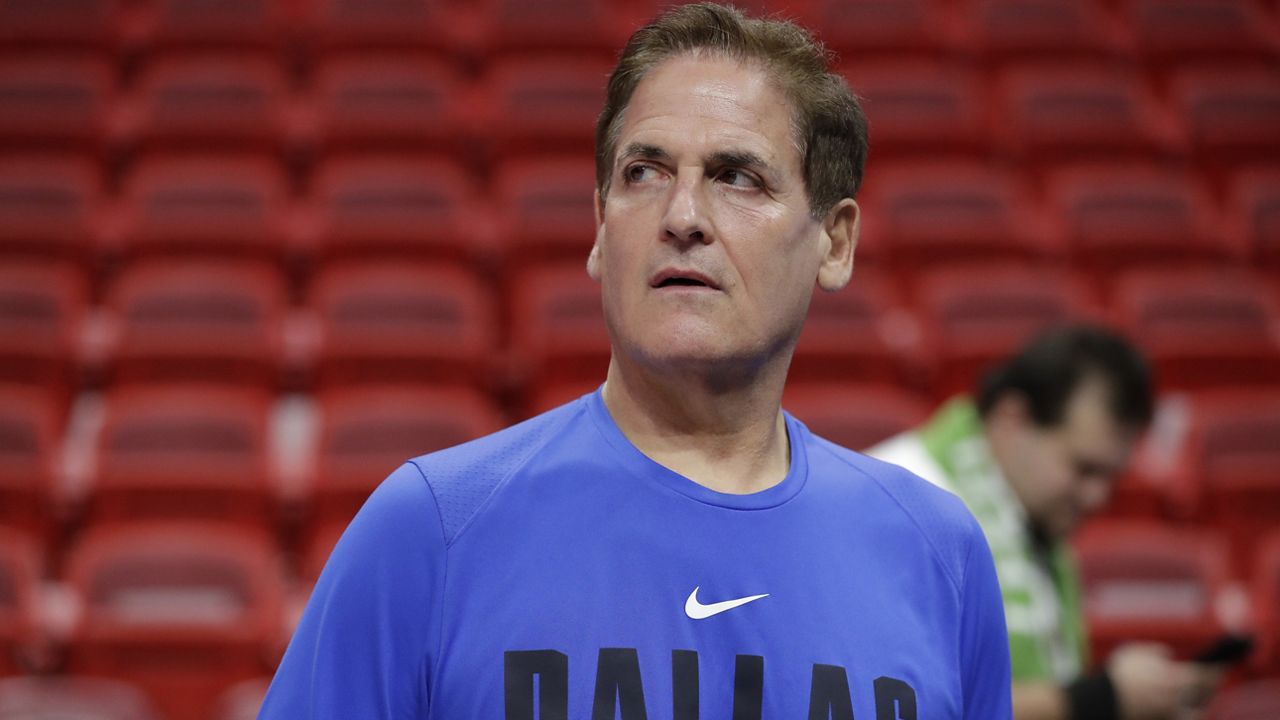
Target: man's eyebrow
737	158
643	150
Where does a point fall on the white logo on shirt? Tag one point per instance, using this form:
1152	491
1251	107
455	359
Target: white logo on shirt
698	611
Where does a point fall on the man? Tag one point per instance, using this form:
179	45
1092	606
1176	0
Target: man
1035	455
673	545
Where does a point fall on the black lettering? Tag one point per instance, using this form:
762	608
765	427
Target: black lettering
618	685
519	667
748	687
684	685
829	697
895	700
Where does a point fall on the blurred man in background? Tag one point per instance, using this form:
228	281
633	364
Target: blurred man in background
1036	453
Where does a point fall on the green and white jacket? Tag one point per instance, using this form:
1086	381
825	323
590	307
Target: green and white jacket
1041	589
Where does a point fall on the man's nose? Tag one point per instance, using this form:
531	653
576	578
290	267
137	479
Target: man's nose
685	220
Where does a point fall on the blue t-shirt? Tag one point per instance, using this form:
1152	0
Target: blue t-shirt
552	570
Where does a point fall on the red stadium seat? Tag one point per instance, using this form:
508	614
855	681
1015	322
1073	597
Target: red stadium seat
546	208
1265	593
542	104
1257	699
388	206
1170	31
1226	471
42	308
1042	29
921	107
72	698
184	451
182	611
1150	581
855	334
1233	114
549	397
30	433
21	573
855	28
55	102
242	700
558	334
579	25
977	316
210	205
935	213
383	101
186	319
1255	206
1051	113
233	102
383	24
50	206
855	416
64	23
188	24
368	432
396	321
1202	328
1118	216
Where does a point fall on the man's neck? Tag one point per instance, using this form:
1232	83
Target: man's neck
732	440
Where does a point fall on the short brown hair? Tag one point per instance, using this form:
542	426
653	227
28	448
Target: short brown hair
830	126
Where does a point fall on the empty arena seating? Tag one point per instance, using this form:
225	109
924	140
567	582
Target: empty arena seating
1232	114
231	101
59	23
395	207
974	317
31	426
1201	327
1047	114
189	24
920	107
73	698
557	327
42	308
1170	31
1252	700
545	208
21	572
184	451
933	213
60	102
1018	30
180	611
50	206
534	105
853	415
234	207
384	101
1148	581
1265	593
856	334
1116	216
198	320
1255	211
588	26
855	28
366	432
362	25
398	321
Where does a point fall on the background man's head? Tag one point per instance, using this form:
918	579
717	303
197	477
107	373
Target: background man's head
830	127
1062	417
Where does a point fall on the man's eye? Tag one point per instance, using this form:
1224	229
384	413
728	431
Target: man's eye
638	173
738	178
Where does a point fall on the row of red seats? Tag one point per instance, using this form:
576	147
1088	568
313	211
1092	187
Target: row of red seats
1102	217
375	100
1163	30
210	452
186	611
230	321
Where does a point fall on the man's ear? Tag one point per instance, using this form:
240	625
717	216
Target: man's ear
840	237
593	260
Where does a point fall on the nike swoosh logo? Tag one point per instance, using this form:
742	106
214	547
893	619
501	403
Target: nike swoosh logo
698	611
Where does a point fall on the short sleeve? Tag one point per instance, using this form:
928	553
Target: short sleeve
363	647
984	641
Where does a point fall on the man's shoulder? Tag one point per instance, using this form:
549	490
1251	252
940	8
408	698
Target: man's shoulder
930	511
462	477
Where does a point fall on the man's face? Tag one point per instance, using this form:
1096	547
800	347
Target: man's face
1063	474
705	245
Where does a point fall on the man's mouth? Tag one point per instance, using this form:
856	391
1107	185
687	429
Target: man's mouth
682	278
